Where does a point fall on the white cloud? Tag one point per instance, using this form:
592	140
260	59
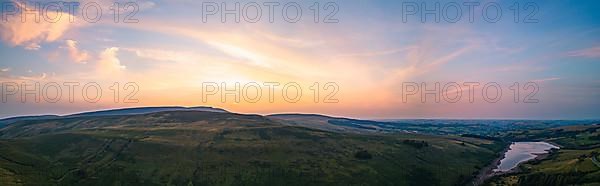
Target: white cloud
32	46
160	54
5	70
74	53
242	53
109	62
379	53
546	79
34	77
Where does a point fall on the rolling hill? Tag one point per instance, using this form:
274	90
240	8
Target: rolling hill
222	148
111	112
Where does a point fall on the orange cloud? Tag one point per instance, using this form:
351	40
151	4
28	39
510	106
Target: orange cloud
109	62
31	33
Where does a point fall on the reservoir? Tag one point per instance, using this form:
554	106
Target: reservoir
520	152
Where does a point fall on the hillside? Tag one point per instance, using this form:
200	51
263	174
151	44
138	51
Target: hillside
213	148
327	123
111	112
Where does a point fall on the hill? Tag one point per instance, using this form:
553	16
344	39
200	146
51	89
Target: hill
111	112
220	148
328	123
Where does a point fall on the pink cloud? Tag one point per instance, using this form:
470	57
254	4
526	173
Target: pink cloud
31	33
33	46
593	52
74	53
546	79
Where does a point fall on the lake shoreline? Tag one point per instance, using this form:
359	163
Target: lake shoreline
488	172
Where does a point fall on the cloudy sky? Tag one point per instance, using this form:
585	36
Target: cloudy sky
365	50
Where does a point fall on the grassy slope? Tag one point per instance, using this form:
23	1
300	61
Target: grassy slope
184	148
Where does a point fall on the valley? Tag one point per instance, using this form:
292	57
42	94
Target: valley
211	148
179	146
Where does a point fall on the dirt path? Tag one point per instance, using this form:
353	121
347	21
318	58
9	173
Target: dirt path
488	171
595	161
101	152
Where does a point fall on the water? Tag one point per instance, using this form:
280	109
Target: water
520	152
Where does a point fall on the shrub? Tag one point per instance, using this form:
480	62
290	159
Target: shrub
363	155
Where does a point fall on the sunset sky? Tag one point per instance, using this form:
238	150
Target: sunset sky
368	54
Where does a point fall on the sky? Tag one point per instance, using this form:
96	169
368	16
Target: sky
352	58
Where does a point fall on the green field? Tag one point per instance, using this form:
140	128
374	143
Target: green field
570	137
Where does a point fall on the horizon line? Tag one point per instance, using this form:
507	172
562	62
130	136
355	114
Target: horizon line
301	113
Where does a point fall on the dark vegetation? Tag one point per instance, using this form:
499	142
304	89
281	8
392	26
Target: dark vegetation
481	137
363	155
416	144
